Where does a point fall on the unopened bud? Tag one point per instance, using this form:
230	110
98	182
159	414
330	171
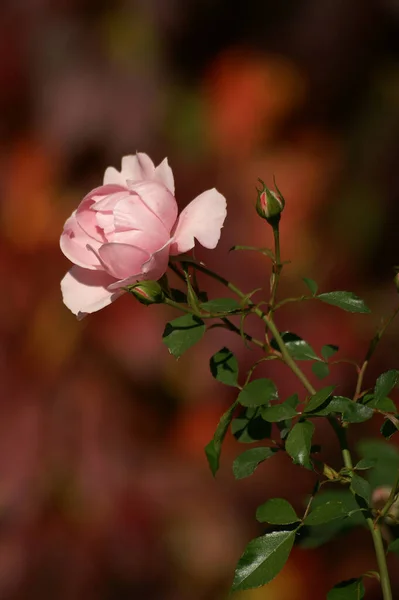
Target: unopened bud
269	204
147	292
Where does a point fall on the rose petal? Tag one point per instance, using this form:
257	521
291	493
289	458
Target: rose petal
85	291
202	219
122	260
136	167
131	213
73	243
158	200
163	173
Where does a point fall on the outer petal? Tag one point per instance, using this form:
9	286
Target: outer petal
163	174
202	219
136	167
158	200
73	243
86	291
122	260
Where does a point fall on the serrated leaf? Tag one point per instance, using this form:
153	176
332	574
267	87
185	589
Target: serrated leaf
311	284
296	346
299	443
246	463
384	404
326	512
353	589
258	392
281	412
394	546
389	427
214	448
360	487
182	333
221	305
319	398
385	384
276	511
364	464
224	367
263	559
320	369
329	350
346	300
352	412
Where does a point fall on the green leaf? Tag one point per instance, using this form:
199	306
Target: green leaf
320	369
296	346
263	559
353	589
299	442
311	284
384	404
328	351
352	412
334	509
319	398
250	427
360	487
364	464
182	333
386	458
221	305
276	511
385	384
389	427
224	367
245	464
258	392
214	448
394	546
281	412
346	300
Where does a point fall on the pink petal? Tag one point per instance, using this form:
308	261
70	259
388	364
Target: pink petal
158	200
73	243
136	167
122	260
157	264
163	174
202	219
131	213
85	215
86	291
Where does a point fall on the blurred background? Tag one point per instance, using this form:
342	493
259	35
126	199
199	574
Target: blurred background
104	488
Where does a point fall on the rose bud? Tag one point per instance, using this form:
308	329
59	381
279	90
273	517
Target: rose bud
269	204
147	292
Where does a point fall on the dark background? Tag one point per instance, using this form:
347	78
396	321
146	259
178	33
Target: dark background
104	489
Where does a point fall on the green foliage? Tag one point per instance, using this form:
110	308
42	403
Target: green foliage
281	412
346	300
276	511
296	346
380	403
360	487
224	367
214	448
389	427
311	284
394	546
386	459
258	393
246	463
249	427
328	351
299	443
320	369
182	333
263	559
221	305
353	589
385	384
352	412
319	398
364	464
333	509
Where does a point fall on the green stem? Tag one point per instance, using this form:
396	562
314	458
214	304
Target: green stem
277	266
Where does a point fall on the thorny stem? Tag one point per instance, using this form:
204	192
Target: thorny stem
277	266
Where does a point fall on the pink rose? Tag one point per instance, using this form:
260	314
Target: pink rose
125	230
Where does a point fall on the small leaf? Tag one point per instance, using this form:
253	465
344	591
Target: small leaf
249	429
319	398
182	333
352	412
299	442
224	367
353	589
276	511
245	464
221	305
263	559
214	448
384	404
334	509
360	487
364	464
296	346
346	300
328	351
320	369
389	427
385	384
281	412
394	546
258	392
311	284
